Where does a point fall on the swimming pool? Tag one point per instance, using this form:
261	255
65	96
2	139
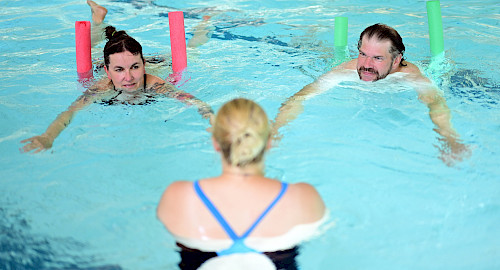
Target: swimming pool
89	202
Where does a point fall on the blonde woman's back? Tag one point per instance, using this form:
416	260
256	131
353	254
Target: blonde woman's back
240	218
240	202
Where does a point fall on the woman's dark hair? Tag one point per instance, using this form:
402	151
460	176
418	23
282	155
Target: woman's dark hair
120	41
385	32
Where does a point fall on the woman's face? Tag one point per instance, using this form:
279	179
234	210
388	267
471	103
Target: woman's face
126	71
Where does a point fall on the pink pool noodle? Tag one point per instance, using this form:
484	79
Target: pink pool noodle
177	40
82	38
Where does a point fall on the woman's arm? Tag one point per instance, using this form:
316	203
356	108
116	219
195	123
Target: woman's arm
44	141
161	87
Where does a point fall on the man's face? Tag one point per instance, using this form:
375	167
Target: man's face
374	60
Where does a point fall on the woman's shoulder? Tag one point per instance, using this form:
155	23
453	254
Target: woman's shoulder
153	79
306	198
179	187
175	194
305	193
304	189
156	84
101	86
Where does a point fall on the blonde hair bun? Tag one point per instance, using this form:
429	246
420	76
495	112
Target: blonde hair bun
242	130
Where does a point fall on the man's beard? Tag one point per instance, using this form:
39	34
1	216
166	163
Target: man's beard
373	71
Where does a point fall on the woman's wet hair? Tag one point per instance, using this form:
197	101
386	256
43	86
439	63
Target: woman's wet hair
120	41
242	131
385	32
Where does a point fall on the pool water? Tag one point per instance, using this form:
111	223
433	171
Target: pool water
369	149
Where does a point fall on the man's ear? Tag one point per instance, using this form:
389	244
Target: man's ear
397	61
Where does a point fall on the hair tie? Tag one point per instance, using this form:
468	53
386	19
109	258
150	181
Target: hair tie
114	32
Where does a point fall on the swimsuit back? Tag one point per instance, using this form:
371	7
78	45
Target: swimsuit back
238	244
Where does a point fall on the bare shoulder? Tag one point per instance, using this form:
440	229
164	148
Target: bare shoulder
308	200
415	74
331	78
351	64
103	85
305	191
173	196
152	79
156	84
177	190
411	68
95	92
172	205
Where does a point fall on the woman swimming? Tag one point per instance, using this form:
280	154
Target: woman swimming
240	219
127	82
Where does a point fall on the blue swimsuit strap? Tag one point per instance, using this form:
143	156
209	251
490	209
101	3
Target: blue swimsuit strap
284	186
214	211
224	223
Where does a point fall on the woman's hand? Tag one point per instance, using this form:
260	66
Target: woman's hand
37	143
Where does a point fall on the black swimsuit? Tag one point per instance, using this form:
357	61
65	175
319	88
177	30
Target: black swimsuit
147	97
192	259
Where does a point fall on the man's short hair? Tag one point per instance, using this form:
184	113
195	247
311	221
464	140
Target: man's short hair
385	32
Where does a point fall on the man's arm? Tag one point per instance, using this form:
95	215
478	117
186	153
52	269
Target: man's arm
438	112
440	115
293	106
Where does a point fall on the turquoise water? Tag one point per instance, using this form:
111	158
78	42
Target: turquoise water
89	202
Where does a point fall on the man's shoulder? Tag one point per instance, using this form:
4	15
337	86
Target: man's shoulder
351	64
415	74
410	68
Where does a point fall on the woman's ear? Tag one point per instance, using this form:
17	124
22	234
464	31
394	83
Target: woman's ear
269	143
107	72
215	144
